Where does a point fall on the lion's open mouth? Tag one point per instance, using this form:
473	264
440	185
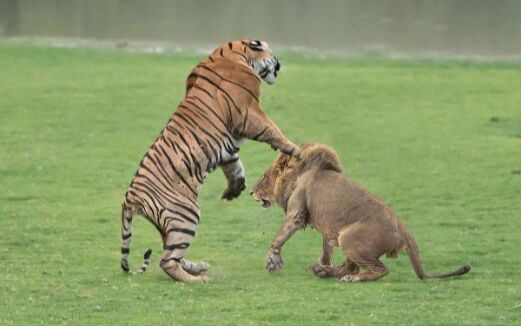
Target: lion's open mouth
265	203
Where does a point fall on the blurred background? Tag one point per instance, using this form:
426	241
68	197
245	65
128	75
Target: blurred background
448	28
439	140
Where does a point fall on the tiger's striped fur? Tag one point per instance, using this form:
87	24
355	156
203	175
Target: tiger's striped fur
221	109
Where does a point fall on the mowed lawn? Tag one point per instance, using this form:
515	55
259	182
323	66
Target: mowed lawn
440	141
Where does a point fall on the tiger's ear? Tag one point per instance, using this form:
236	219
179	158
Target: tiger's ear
255	45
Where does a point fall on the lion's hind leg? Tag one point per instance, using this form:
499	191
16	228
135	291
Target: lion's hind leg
374	270
324	269
362	253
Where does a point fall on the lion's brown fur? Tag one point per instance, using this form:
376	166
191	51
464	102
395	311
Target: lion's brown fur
313	188
288	170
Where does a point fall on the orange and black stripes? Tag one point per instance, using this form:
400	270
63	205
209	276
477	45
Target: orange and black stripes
221	108
165	186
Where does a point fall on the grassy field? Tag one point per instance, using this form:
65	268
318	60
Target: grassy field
438	140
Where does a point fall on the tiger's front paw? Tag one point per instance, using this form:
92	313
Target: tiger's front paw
234	188
296	153
274	262
290	149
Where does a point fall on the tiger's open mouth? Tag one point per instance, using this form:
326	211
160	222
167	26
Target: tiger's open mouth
277	67
267	69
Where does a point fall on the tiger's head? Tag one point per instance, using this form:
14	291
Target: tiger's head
254	53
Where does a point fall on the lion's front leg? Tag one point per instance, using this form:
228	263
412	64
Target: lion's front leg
258	126
234	172
294	221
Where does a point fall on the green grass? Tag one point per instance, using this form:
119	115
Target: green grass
75	123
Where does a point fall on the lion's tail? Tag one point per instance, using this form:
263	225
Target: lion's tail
414	255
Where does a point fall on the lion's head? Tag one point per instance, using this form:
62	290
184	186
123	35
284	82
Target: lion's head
254	53
279	180
265	189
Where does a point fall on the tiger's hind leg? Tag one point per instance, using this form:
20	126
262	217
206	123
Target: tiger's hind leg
173	263
193	268
180	230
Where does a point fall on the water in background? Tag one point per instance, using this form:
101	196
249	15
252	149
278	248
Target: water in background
473	28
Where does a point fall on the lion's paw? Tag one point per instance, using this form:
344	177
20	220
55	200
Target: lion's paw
321	270
274	262
349	278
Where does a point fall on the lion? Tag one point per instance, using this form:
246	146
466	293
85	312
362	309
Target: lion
312	191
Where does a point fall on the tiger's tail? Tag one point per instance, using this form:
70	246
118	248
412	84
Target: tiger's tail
126	238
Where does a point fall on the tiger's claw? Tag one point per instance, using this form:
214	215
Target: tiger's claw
234	189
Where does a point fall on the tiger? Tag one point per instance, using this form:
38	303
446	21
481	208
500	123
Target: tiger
220	110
